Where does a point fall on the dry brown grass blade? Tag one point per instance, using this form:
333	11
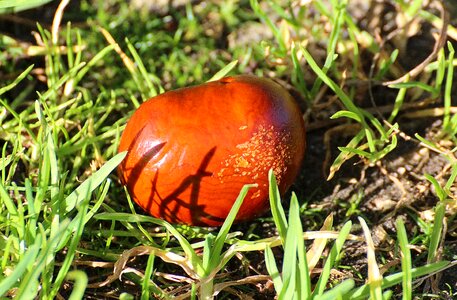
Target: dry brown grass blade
248	280
125	59
374	274
166	256
440	42
315	252
57	20
343	129
429	112
93	264
225	286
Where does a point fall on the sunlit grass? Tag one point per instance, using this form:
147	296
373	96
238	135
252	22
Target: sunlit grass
67	227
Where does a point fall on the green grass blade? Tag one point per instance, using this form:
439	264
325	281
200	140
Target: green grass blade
323	76
414	84
98	57
386	150
344	156
338	291
338	20
385	65
54	87
19	119
376	124
222	234
185	245
30	283
435	237
277	210
207	246
274	29
294	235
370	139
448	87
8	202
438	189
387	295
143	77
426	142
98	203
374	275
440	69
77	231
147	277
347	102
273	270
330	261
16	6
346	114
355	151
91	183
21	268
406	264
299	76
452	177
363	292
303	275
413	7
16	81
224	71
32	214
80	278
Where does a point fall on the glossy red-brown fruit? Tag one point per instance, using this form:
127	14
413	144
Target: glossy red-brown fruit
190	151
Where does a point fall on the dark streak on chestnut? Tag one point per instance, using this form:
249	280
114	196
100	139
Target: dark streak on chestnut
193	182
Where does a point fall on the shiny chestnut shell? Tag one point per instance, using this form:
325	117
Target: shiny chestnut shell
190	151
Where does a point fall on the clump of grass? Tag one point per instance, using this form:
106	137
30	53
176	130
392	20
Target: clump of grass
294	282
376	137
54	176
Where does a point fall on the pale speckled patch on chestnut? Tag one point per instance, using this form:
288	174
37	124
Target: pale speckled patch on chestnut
266	149
256	194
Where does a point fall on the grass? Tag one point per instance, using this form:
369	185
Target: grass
69	230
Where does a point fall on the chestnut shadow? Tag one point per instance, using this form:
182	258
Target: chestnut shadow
142	163
192	182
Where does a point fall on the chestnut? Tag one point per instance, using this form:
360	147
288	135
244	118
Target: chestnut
191	150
